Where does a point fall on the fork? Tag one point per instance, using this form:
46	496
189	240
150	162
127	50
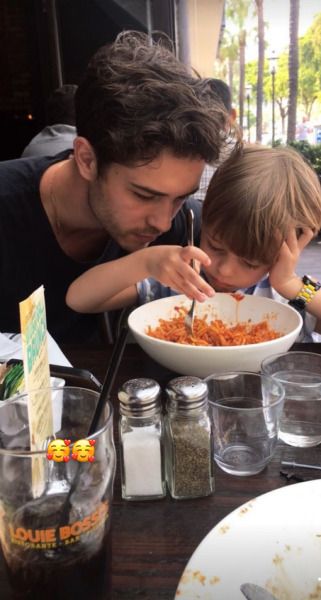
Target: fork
251	591
189	318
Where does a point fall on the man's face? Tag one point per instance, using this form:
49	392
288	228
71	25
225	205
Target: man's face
137	204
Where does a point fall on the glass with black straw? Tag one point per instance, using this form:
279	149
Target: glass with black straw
56	532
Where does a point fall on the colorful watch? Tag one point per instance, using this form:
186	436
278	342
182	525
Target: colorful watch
307	292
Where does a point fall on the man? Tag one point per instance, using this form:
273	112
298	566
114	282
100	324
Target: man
304	129
145	130
60	131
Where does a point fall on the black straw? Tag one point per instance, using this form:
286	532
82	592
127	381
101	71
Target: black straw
111	373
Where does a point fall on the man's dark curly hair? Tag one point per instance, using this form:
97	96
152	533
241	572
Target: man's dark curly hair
137	99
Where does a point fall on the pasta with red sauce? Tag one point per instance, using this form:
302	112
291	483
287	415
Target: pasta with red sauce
213	333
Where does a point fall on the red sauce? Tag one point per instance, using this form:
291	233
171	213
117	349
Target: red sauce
238	296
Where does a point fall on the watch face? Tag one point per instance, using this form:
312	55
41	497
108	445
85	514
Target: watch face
314	283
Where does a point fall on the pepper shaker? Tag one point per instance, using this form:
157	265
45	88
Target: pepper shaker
188	439
141	440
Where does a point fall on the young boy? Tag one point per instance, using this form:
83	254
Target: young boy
262	208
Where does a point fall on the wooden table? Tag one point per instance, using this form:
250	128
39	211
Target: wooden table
153	541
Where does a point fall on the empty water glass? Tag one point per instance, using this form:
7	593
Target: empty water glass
246	409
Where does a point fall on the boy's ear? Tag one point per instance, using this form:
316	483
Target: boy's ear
85	158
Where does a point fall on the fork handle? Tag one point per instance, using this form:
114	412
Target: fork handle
190	232
190	227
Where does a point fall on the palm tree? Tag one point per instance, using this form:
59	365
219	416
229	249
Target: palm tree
260	70
242	44
228	54
293	68
237	11
282	88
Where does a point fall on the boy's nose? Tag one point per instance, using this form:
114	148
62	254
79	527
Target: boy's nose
226	269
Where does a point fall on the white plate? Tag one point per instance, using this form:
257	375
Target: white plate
273	540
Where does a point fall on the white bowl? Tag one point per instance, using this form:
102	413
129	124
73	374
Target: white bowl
201	361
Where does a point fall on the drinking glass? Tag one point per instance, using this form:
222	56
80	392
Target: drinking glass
300	375
246	410
56	536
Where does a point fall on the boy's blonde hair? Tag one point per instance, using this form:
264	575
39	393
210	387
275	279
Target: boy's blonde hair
256	196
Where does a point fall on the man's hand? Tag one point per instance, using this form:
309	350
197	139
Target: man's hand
171	265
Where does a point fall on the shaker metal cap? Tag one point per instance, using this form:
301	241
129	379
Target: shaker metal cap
139	396
187	392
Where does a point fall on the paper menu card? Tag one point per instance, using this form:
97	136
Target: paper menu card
36	376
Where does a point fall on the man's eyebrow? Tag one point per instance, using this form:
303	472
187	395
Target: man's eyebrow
153	192
148	190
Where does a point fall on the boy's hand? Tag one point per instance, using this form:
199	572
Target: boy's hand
171	265
282	274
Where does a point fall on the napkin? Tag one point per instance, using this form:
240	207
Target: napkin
10	347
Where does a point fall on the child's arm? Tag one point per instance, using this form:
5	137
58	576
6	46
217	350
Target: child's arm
283	277
111	285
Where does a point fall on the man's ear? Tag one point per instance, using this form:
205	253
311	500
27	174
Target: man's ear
233	115
85	158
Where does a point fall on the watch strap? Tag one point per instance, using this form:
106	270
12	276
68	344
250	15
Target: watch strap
298	304
307	292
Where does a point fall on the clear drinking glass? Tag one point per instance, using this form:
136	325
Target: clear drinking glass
57	542
246	410
300	375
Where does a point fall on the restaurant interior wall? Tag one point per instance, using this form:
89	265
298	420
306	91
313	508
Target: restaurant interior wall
199	25
49	42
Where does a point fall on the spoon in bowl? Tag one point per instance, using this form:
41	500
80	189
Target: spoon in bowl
190	239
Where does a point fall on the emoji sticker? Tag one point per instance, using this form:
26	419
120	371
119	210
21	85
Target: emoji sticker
58	450
84	450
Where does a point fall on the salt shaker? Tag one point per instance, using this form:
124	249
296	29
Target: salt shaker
188	439
141	440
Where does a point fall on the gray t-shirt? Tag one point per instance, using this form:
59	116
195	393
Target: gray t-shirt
51	140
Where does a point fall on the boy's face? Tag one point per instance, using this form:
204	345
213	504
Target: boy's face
229	272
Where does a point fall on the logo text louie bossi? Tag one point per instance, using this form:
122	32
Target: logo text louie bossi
40	539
